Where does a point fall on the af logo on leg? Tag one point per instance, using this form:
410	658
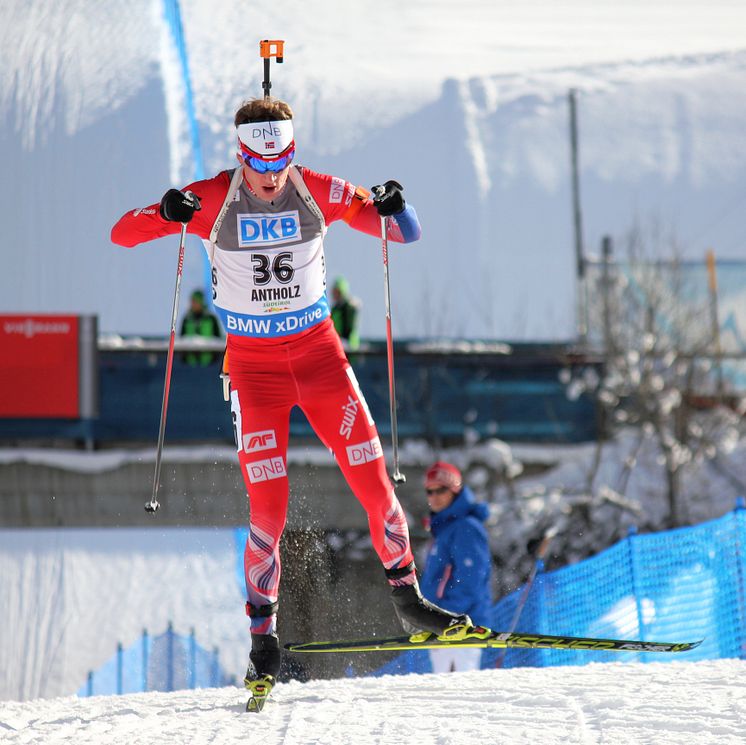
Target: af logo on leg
253	442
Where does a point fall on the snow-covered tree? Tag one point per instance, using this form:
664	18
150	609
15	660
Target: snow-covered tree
670	427
662	374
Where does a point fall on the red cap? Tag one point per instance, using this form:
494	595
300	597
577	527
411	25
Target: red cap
443	474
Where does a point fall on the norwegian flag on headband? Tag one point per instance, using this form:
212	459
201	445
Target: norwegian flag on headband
266	138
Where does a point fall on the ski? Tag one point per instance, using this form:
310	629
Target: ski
260	690
480	636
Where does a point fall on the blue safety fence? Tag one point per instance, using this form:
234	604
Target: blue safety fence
168	662
676	586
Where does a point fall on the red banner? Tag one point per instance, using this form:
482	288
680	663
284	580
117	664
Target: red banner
39	366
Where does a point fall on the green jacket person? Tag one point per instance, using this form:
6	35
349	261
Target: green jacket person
345	313
200	322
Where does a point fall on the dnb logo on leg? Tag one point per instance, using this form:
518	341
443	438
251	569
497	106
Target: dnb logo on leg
266	470
364	452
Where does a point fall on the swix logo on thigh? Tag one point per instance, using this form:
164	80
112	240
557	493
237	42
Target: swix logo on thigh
364	452
264	229
348	417
256	441
266	470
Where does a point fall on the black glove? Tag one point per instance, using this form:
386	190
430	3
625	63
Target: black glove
389	199
178	206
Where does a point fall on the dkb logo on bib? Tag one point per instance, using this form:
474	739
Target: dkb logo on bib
267	229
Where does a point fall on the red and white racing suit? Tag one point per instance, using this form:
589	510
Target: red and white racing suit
269	289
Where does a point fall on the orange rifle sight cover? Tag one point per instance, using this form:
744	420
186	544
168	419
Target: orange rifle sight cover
271	48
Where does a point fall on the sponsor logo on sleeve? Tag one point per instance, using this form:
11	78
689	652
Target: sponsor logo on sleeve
266	470
253	442
336	190
268	229
364	452
143	211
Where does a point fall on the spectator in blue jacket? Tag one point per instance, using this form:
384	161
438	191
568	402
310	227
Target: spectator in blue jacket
457	571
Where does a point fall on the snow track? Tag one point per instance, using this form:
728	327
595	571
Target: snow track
615	704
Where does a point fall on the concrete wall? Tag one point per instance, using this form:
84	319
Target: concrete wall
196	493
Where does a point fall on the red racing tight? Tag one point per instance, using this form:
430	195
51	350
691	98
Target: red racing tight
311	371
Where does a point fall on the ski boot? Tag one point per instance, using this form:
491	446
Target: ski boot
417	614
261	675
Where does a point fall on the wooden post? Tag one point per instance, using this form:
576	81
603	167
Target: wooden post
713	290
606	250
582	299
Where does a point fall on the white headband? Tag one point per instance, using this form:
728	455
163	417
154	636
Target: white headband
266	139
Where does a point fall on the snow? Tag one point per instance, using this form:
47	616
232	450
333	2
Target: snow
465	104
614	704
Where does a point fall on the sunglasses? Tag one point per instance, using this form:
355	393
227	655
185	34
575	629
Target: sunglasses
273	166
436	490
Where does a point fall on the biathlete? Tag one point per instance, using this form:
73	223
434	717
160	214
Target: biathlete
264	224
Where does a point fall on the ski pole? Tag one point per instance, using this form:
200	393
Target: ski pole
398	477
541	552
153	504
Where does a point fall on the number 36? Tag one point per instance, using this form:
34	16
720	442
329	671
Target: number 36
281	268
